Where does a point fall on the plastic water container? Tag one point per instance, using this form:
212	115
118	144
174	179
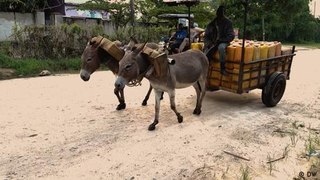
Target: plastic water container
248	55
256	52
264	51
237	53
272	51
230	53
197	46
278	48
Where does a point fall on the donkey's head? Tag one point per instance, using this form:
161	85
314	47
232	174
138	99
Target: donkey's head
90	58
131	66
100	50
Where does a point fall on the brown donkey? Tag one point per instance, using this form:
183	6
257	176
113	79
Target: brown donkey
176	71
99	51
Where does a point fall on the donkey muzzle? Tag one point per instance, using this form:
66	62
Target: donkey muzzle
120	83
84	75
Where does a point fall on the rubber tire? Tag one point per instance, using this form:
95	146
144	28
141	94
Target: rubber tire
274	89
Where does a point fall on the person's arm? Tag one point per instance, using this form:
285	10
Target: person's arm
173	37
210	36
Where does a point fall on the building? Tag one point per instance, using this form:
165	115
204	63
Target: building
57	12
315	8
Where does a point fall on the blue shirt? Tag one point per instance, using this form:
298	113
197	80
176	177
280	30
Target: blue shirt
180	35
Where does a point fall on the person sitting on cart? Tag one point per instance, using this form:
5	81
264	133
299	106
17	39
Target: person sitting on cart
178	37
218	35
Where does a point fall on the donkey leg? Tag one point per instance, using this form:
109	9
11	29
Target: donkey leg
173	105
145	101
157	111
161	95
202	84
120	96
122	103
198	89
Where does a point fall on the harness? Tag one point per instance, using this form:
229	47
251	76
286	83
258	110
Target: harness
159	65
110	47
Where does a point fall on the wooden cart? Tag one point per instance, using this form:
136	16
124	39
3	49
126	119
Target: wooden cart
268	74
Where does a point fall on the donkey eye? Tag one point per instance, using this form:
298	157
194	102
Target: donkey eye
89	59
128	67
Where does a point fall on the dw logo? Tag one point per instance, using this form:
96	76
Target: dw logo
305	176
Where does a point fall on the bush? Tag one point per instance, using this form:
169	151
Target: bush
68	41
44	42
142	34
32	67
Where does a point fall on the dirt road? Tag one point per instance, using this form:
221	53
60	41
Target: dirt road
59	127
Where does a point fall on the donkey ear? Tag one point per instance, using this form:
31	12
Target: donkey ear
117	43
133	41
95	41
139	48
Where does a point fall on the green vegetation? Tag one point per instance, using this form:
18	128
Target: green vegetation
311	45
58	48
22	5
245	174
271	20
32	67
287	21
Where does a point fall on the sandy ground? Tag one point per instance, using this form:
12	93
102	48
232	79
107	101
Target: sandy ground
59	127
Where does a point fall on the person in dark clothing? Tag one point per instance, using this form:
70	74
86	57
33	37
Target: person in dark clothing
218	35
178	37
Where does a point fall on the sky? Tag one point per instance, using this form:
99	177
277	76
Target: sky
315	6
79	1
75	1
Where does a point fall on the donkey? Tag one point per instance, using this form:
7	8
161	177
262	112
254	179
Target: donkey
94	54
186	69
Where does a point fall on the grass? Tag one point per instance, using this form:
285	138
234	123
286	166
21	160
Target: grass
271	166
311	45
245	174
32	67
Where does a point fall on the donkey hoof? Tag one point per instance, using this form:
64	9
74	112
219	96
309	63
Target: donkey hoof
180	118
144	103
197	111
152	127
121	106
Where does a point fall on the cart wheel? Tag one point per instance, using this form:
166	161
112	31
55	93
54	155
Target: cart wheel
274	89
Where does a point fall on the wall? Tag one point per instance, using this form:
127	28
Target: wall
108	27
9	19
87	22
315	8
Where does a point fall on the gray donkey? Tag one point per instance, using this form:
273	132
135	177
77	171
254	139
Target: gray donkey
182	70
96	53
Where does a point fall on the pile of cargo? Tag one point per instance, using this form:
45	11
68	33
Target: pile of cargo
254	51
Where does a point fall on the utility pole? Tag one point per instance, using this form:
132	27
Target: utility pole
132	14
263	30
315	5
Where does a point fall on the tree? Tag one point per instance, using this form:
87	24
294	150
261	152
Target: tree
24	6
120	11
282	19
150	9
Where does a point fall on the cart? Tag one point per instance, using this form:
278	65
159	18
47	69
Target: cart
269	74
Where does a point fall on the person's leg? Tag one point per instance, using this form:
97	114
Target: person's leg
222	54
174	47
209	52
183	45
